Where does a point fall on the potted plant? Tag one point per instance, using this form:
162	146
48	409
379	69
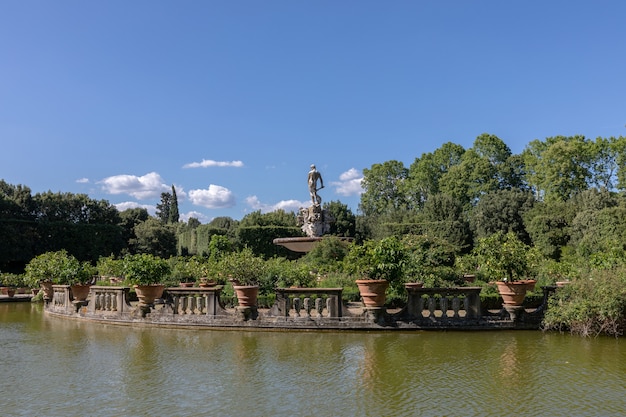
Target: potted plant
243	269
145	273
110	270
59	268
380	265
10	283
504	257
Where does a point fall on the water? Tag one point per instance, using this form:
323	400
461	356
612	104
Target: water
58	367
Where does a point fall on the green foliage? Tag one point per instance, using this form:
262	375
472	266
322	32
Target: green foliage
145	269
383	259
259	239
502	210
219	246
502	256
383	188
590	305
243	266
327	255
173	215
283	273
429	260
155	238
345	220
109	266
13	280
59	268
273	218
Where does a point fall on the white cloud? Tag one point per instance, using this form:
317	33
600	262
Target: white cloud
132	204
83	180
214	197
150	185
287	205
349	183
201	217
210	163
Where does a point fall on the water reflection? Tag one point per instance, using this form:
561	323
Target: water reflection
66	367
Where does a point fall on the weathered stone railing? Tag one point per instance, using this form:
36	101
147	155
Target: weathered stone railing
61	299
307	302
109	300
294	308
443	303
194	301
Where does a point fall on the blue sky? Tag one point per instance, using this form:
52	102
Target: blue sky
231	101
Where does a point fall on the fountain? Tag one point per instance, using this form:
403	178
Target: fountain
314	220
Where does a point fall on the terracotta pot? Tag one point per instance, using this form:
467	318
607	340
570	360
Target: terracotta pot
530	283
561	284
246	295
373	291
148	293
469	277
48	291
80	292
4	290
409	285
186	284
10	292
512	293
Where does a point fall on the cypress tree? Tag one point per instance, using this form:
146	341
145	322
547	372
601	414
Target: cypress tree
173	214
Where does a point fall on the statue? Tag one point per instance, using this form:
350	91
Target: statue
314	221
314	176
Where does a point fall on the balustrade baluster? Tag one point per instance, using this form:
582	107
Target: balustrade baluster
456	306
443	303
319	306
307	306
296	305
431	306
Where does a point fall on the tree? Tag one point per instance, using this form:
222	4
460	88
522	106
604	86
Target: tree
173	215
16	202
443	217
548	224
502	210
345	220
274	218
154	237
164	207
426	171
193	223
383	188
130	218
559	167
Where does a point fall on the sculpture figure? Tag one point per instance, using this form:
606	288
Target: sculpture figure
314	220
314	176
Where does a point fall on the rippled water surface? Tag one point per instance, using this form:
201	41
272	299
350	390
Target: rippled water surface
56	367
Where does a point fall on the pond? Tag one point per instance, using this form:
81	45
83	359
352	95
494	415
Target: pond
60	367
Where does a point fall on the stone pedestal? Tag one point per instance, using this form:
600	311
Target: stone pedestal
375	314
515	312
246	313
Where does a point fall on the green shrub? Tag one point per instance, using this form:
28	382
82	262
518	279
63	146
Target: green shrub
590	305
58	268
145	269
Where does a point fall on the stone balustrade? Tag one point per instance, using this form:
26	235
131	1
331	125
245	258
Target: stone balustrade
61	299
307	302
194	301
109	300
443	303
294	308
